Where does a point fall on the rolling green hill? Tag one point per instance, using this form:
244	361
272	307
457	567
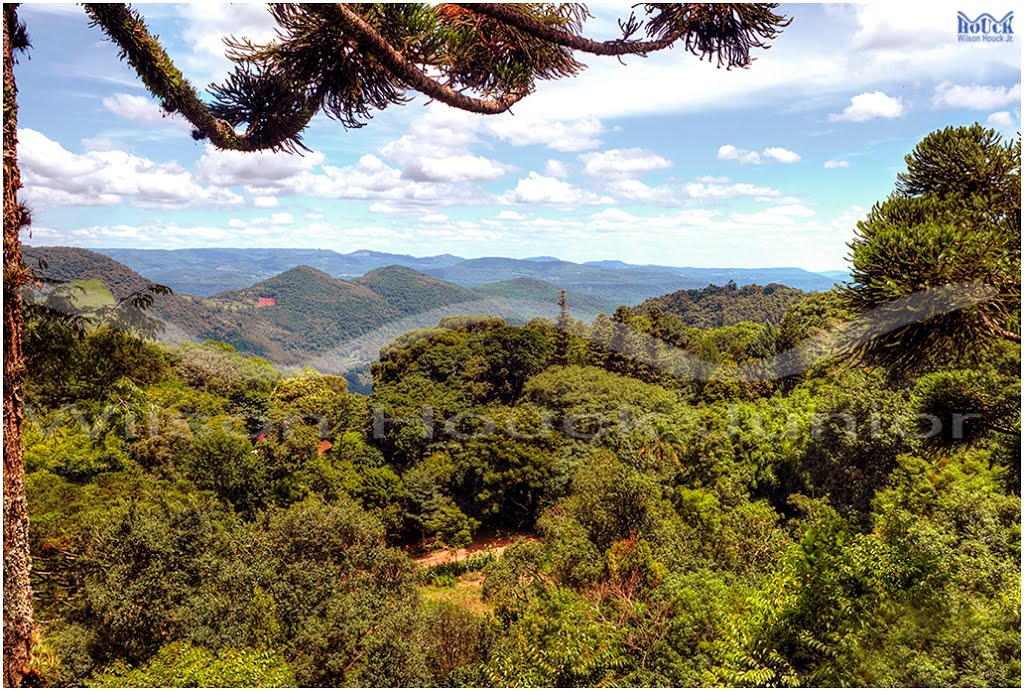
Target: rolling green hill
289	318
183	316
74	263
726	305
311	311
411	292
303	311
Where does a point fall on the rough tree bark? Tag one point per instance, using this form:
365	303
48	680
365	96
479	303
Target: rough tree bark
17	559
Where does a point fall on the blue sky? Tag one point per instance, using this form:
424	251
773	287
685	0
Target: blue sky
663	160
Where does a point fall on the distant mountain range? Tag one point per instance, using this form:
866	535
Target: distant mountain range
207	271
305	315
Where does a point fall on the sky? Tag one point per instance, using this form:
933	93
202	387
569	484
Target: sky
660	160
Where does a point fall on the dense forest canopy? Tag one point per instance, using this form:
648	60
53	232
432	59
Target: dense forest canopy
347	61
677	516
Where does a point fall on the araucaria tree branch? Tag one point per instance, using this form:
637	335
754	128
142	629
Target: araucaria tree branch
145	54
349	60
375	44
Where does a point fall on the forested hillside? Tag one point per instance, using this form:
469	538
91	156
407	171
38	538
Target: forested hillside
670	511
725	305
303	311
75	263
411	291
686	493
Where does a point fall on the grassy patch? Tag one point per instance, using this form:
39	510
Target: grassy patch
466	592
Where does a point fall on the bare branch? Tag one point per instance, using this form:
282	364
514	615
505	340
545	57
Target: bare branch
509	15
999	331
725	30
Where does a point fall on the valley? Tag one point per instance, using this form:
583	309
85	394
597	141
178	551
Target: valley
304	316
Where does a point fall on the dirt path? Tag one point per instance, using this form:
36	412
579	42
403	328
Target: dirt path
493	546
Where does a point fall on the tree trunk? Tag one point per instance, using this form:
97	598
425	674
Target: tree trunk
17	559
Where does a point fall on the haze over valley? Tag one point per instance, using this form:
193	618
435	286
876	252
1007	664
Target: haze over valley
337	311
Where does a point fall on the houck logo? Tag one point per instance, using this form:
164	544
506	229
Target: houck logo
984	28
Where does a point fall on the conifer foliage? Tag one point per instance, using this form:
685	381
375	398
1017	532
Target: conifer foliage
345	60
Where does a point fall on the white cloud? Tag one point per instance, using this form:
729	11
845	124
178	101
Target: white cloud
896	27
262	169
174	235
540	189
781	155
265	201
556	169
702	191
443	128
102	144
142	110
55	176
206	25
728	152
453	169
636	191
278	219
614	215
975	96
829	165
781	215
385	208
372	179
623	163
576	134
675	193
1001	119
436	149
869	106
